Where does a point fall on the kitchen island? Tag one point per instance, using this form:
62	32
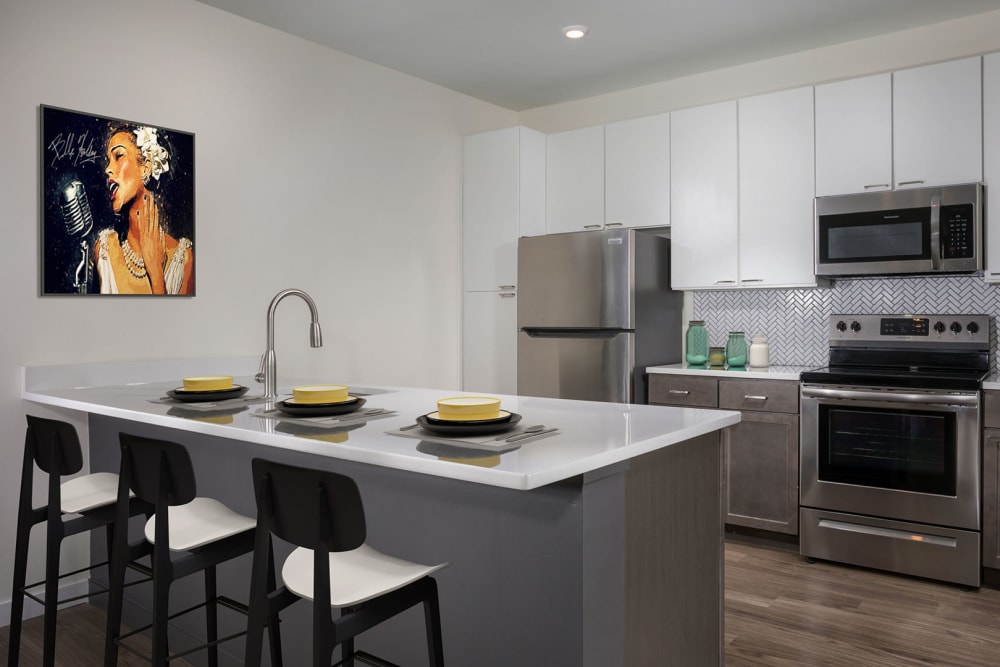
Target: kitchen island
599	544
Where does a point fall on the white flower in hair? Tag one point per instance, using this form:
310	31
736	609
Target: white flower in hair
152	152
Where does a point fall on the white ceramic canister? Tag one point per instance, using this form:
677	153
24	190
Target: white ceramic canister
759	353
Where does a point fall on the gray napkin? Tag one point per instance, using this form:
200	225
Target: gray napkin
486	443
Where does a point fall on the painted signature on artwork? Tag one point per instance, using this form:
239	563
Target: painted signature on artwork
77	149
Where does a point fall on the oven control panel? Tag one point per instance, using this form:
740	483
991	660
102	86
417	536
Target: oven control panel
923	329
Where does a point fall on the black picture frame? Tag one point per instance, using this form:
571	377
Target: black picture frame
84	242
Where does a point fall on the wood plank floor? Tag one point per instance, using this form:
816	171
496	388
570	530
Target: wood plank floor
780	611
79	641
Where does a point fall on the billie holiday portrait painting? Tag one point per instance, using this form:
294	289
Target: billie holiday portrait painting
117	206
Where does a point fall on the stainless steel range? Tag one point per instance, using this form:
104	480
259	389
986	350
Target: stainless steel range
890	445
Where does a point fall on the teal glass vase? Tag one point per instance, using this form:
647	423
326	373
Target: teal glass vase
736	349
696	343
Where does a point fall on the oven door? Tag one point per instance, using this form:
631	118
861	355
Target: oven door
911	455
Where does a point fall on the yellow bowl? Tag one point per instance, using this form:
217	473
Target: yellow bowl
320	393
468	408
208	382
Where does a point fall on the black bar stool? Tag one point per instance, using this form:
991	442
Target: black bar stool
75	506
189	534
321	513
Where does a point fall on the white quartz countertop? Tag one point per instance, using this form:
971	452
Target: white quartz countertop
590	435
769	373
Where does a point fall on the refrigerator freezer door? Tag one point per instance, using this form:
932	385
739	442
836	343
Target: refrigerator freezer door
576	280
589	366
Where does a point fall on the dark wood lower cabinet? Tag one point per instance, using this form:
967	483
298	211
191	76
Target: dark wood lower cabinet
991	498
760	468
760	472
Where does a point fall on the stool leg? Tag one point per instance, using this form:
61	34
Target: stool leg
161	605
17	593
211	616
432	620
347	646
273	628
53	543
119	557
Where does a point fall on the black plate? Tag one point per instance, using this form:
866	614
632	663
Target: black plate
320	409
467	428
472	422
186	396
295	404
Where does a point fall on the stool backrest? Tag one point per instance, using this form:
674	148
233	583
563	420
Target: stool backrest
48	438
309	507
147	461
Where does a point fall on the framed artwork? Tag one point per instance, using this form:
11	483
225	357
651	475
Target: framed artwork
117	206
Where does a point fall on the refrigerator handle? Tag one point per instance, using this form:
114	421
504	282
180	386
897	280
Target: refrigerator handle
573	333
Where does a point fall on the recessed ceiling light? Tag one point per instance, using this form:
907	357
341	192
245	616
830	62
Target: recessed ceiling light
575	31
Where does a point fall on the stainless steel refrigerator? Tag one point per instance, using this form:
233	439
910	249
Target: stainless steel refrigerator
594	309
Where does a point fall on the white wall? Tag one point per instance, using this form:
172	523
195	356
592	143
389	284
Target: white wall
314	170
908	48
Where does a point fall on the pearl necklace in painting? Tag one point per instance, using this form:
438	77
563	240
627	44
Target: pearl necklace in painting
133	262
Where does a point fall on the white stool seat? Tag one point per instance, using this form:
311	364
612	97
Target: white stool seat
355	576
200	522
88	492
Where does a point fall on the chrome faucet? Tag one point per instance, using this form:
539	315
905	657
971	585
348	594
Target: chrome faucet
268	372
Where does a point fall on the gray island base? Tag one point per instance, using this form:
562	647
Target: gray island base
620	564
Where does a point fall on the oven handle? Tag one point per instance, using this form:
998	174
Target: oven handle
895	397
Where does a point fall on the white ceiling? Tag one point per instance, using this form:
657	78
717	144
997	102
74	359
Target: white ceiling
512	52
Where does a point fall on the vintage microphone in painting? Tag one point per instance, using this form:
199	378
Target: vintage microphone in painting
79	221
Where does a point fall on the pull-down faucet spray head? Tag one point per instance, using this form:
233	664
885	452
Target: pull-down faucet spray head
268	364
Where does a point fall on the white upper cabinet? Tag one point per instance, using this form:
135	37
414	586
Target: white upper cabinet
637	172
574	170
854	135
937	124
615	175
776	189
503	197
991	163
703	187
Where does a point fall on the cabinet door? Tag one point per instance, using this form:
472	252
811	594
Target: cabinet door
991	162
937	124
637	172
574	169
854	135
531	178
490	210
991	498
776	187
489	342
761	472
703	197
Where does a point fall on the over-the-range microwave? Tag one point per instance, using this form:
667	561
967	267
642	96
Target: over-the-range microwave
916	231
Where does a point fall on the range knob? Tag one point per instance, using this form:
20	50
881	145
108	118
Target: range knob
956	328
972	328
855	326
841	326
939	326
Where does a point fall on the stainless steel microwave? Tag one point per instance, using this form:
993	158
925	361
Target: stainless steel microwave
916	231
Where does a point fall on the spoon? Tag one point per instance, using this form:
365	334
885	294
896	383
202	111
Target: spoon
531	429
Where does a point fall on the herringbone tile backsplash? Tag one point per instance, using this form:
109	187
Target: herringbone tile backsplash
795	320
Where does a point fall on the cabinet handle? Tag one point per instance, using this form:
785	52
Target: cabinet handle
910	182
751	397
725	282
592	226
751	280
682	392
506	295
505	286
878	185
614	224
